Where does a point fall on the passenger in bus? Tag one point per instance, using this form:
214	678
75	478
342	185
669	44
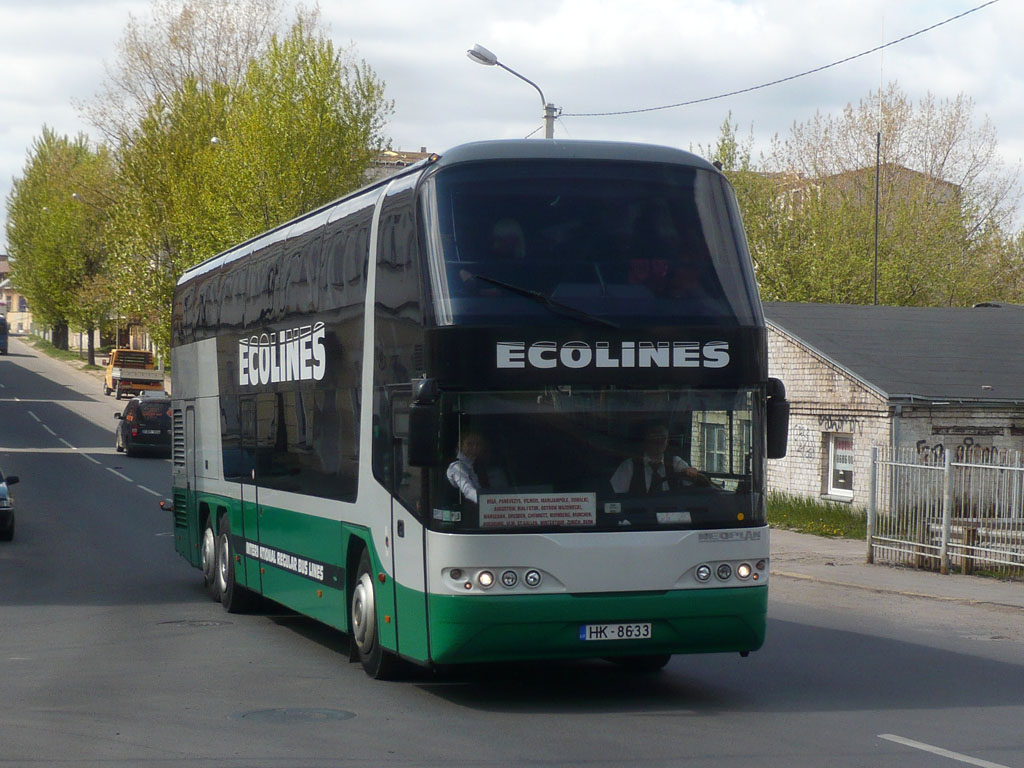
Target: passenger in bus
507	240
467	472
507	244
656	470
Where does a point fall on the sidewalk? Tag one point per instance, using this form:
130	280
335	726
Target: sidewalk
843	562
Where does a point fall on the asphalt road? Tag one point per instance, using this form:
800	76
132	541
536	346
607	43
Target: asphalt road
112	654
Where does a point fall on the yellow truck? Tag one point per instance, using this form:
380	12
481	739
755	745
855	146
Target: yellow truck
131	372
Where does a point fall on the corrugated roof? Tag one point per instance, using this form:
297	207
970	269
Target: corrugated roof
917	353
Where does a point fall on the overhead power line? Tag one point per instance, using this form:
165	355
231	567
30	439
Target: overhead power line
783	79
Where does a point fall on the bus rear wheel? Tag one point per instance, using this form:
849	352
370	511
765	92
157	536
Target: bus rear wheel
233	596
378	663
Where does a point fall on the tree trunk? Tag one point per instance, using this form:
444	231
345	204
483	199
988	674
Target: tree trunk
60	336
92	346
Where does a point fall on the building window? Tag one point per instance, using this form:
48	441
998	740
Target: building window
716	448
840	466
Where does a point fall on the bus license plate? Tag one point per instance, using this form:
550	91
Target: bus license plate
630	631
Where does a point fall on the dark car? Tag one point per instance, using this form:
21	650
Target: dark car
6	507
144	426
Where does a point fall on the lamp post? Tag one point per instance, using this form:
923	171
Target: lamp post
481	55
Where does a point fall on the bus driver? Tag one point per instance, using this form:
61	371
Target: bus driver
466	473
656	470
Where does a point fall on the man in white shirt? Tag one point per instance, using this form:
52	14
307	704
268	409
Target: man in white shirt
461	472
661	471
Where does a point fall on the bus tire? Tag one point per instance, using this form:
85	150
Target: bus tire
233	596
642	664
208	559
378	663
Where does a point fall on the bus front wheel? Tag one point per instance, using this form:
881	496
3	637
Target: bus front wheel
208	560
363	625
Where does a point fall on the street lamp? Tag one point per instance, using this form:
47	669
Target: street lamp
481	55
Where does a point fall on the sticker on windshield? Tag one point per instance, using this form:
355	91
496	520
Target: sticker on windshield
510	510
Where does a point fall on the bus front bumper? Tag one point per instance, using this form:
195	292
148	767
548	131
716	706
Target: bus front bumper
470	629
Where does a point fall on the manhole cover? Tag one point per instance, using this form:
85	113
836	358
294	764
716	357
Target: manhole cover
292	715
194	623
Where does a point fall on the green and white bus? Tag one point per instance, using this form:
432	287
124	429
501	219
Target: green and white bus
541	303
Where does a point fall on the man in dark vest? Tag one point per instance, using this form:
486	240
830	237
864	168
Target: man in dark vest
655	471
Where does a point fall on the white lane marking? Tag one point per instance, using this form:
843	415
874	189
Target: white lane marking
940	751
75	449
48	429
33	415
123	477
154	493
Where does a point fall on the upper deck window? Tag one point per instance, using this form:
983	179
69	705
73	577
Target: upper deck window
615	240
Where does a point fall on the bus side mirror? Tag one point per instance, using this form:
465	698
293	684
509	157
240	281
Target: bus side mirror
777	413
424	425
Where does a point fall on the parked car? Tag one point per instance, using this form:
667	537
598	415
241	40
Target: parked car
144	426
6	507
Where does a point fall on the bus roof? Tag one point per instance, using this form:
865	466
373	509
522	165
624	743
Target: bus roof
556	149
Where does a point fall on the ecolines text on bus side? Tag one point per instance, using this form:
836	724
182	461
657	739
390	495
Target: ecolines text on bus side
295	354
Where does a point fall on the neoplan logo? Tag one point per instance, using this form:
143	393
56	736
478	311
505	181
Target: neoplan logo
295	354
605	354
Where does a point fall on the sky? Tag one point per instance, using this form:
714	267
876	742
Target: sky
586	55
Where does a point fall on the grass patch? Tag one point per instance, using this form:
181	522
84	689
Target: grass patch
821	518
44	346
49	350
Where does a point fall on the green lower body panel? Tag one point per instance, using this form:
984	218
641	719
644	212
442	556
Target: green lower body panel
505	628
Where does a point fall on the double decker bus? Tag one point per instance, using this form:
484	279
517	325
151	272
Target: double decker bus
419	414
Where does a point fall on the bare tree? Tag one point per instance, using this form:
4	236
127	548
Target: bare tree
202	41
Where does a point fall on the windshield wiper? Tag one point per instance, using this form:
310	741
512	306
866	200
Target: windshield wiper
553	304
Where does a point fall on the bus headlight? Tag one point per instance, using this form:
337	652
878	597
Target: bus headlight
724	571
485	579
510	578
532	578
743	570
703	572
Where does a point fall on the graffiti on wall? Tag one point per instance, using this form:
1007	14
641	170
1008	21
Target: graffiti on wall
968	450
838	423
803	442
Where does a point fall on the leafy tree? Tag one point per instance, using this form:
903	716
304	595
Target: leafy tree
57	216
213	163
946	206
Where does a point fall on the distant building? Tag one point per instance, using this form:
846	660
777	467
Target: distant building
390	161
13	305
923	379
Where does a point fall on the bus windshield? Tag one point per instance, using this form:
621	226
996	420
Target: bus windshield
605	240
602	459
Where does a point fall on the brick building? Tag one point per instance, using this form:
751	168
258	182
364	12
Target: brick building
917	378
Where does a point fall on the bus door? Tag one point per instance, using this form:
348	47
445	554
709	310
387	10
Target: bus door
407	535
249	494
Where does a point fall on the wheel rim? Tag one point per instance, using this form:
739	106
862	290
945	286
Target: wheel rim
208	554
223	563
363	613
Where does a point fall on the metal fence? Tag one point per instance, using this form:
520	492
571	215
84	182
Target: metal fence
943	512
